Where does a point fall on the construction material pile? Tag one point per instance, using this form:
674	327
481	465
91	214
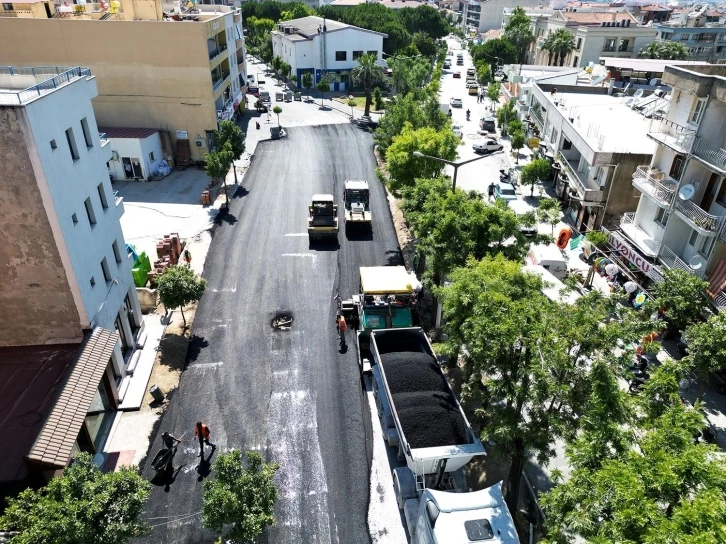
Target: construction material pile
425	406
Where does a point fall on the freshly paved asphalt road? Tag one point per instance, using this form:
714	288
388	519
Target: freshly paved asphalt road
289	394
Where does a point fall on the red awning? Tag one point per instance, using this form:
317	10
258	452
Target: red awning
717	279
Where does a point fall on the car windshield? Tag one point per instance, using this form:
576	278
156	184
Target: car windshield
506	192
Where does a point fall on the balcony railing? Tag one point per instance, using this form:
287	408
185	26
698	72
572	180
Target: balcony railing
587	193
537	116
710	153
214	53
701	219
117	199
648	244
672	134
217	83
104	138
673	261
644	181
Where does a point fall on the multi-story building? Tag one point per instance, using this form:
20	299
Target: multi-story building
325	47
483	15
680	221
599	142
66	271
704	41
178	72
603	33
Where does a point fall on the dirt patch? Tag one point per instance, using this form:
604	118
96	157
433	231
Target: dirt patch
170	357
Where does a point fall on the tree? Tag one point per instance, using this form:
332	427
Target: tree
519	33
706	348
548	211
549	44
217	164
285	69
401	110
277	110
277	65
484	73
496	52
506	115
682	295
536	171
307	80
323	87
425	44
243	497
367	73
378	99
664	50
563	43
293	78
352	103
408	74
258	30
179	286
425	19
83	505
230	133
517	139
493	92
297	10
405	167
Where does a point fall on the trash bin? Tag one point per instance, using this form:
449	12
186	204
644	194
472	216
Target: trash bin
157	393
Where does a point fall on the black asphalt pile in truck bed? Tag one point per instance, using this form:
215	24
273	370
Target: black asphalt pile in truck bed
399	341
426	409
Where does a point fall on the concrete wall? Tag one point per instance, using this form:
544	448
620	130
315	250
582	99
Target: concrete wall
153	74
136	148
620	194
348	40
36	302
492	11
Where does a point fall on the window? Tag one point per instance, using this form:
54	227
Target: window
7	7
102	196
357	55
86	133
666	35
72	144
89	211
53	145
93	281
721	198
693	239
609	45
74	218
566	144
707	246
661	216
624	45
697	111
579	44
151	157
106	271
341	55
116	252
576	62
374	53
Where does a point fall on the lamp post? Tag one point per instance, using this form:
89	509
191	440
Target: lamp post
450	163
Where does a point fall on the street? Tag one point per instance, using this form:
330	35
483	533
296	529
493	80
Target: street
287	393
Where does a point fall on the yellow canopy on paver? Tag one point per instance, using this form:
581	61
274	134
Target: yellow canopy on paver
385	280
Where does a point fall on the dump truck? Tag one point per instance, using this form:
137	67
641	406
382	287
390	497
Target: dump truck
386	300
322	219
356	199
421	417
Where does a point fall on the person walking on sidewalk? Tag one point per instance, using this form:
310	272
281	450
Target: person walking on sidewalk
203	433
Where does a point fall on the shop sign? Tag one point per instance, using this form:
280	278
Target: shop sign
629	253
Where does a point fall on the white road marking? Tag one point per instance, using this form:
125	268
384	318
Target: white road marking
313	257
206	365
296	234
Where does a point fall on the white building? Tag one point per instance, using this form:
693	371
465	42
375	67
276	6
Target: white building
135	152
521	80
483	15
321	46
66	268
680	221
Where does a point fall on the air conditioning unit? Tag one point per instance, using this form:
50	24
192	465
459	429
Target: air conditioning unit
200	142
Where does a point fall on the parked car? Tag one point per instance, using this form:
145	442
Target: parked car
505	191
447	64
460	62
526	212
457	75
488	123
456	103
457	131
471	72
487	146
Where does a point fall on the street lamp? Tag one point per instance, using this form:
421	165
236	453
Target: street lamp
450	163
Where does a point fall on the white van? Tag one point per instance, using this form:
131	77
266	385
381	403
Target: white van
553	289
549	257
520	207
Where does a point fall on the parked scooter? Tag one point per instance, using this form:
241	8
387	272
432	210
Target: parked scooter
637	383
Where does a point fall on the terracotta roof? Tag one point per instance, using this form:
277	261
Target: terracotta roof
30	378
656	7
596	17
53	446
491	34
127	132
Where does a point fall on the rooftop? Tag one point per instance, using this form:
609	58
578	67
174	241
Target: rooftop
597	17
127	132
605	122
21	85
308	26
399	4
655	7
645	65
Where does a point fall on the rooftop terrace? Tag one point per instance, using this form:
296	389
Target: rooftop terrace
21	85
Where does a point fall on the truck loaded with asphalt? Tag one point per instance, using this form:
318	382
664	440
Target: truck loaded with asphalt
421	417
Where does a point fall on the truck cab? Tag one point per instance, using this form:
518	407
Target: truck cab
356	199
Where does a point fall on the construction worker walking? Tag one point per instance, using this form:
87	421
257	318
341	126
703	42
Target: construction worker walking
202	432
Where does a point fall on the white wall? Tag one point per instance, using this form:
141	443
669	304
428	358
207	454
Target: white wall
492	11
136	148
68	183
348	40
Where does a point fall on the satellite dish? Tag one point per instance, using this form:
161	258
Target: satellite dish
653	82
686	192
630	102
638	94
696	262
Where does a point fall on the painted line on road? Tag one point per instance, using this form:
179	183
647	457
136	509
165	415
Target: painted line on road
226	289
299	255
206	365
296	234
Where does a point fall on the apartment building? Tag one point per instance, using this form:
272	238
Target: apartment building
483	15
598	142
178	71
325	47
704	41
680	221
69	304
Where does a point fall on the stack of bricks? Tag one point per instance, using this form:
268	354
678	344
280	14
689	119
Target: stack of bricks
206	198
169	251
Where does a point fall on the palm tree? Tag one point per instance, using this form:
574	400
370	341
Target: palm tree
367	73
664	50
651	51
564	44
549	45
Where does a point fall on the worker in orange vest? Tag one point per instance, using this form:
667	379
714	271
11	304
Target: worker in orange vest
342	327
202	432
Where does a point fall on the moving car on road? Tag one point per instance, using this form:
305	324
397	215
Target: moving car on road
487	146
447	64
457	131
471	72
505	191
457	75
456	103
488	123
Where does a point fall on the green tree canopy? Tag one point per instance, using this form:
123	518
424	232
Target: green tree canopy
519	33
241	497
493	91
424	43
706	348
682	295
404	167
408	74
217	164
425	19
179	286
296	10
230	133
258	30
664	50
536	171
307	80
496	52
484	73
549	212
367	73
372	16
84	505
517	139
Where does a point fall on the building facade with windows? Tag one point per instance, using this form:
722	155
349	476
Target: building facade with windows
704	41
323	47
680	221
179	72
483	15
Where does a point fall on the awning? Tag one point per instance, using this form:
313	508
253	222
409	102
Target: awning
717	279
385	280
53	446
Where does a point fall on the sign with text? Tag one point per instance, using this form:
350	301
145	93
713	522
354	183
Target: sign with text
629	253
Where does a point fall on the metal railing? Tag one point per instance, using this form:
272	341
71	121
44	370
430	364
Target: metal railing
641	238
104	138
710	153
117	199
671	260
214	53
217	84
646	183
720	301
57	79
699	217
672	134
537	116
586	193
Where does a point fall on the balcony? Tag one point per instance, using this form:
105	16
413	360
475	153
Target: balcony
649	245
587	190
219	82
712	155
119	202
673	261
217	51
538	117
677	137
705	223
104	138
656	189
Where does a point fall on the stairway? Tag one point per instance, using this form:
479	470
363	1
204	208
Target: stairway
183	154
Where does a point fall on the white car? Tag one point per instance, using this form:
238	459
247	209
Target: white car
457	131
487	146
456	103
